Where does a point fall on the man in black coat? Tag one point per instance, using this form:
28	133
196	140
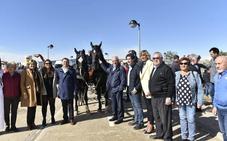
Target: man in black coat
162	88
134	90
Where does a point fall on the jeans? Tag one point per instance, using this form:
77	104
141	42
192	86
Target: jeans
137	107
222	121
212	91
208	88
187	122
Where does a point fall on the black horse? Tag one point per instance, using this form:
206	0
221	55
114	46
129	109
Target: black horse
83	79
100	75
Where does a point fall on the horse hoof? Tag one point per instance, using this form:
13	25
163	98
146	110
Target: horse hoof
77	113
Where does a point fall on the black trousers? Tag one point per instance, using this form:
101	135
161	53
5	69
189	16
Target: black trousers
117	105
150	116
67	106
163	118
31	115
45	101
10	106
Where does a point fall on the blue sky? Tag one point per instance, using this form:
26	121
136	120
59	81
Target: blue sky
184	26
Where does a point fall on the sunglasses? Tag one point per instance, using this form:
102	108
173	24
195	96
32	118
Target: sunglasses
156	58
47	63
183	63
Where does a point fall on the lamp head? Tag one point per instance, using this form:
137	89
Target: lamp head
134	23
51	46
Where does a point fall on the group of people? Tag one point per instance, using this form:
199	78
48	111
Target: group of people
146	76
33	86
163	86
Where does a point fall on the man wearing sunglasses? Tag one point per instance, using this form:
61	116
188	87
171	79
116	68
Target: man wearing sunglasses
162	88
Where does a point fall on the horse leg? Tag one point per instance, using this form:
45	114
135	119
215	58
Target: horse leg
81	98
99	100
76	103
86	99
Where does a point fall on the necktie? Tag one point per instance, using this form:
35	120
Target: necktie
153	71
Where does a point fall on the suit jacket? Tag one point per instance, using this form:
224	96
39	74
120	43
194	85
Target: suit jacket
145	76
28	89
162	82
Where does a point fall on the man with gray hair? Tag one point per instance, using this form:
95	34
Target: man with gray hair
115	84
220	97
11	91
162	89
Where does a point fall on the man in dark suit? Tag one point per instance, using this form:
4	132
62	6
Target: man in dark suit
115	85
162	88
67	86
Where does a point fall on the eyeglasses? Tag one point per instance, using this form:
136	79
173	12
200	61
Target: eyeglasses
47	63
156	58
183	63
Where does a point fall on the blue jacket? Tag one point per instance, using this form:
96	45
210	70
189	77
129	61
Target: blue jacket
197	95
67	83
220	90
116	80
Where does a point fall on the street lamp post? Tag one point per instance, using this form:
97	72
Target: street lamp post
134	24
48	49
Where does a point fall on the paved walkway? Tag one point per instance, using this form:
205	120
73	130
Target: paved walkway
96	127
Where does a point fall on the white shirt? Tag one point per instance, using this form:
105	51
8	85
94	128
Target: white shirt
128	78
65	69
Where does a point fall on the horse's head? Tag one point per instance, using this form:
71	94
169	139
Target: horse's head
80	56
80	53
96	54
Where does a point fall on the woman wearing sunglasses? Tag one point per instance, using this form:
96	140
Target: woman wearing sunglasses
188	92
48	75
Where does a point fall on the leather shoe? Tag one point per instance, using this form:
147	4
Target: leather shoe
7	129
131	123
155	137
138	126
14	129
118	121
113	119
64	122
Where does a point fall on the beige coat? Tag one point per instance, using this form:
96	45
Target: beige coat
28	89
145	76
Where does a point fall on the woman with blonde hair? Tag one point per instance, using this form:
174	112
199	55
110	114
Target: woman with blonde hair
146	69
32	89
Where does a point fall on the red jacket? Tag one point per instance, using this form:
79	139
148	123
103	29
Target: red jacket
11	84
